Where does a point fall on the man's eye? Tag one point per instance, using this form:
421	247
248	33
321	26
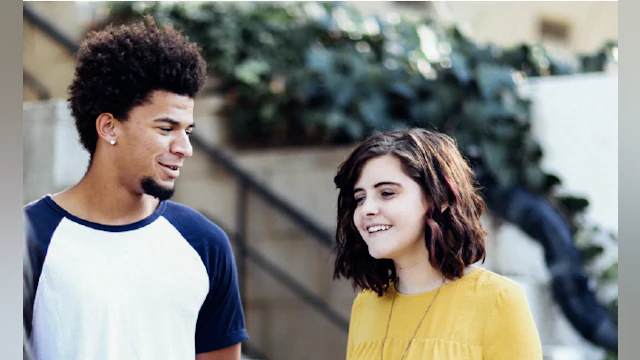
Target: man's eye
166	129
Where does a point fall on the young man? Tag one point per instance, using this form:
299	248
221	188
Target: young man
118	271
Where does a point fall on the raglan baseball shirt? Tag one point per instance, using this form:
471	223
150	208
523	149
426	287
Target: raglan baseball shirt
164	287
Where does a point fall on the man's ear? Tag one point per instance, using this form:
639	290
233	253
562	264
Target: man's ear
107	127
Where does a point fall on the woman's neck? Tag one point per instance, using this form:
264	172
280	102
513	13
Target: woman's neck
416	275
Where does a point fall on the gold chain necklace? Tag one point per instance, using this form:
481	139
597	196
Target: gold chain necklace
384	340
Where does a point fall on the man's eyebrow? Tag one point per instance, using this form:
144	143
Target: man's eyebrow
173	122
382	183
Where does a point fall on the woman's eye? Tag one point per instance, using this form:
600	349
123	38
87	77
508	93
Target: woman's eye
387	193
359	200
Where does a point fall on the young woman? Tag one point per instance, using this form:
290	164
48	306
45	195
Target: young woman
408	234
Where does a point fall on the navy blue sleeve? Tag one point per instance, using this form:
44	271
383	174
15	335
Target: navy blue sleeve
41	220
221	319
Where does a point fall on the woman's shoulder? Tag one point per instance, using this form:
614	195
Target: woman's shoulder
491	281
369	296
493	286
370	299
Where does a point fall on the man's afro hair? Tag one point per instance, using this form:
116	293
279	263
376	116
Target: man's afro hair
119	67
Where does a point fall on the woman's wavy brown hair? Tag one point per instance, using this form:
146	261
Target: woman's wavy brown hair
454	236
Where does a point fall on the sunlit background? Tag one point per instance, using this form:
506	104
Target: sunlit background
527	89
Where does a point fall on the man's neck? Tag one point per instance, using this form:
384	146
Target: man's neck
100	199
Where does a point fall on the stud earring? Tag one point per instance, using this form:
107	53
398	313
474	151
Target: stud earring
112	142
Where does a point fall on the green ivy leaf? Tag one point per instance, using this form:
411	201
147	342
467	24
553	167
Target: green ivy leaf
591	252
611	273
250	71
493	78
611	356
573	204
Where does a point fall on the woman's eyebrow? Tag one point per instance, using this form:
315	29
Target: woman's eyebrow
382	183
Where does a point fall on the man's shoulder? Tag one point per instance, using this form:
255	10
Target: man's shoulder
43	212
36	205
188	220
173	206
41	219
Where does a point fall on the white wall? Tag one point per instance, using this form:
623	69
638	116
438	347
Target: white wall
53	158
576	122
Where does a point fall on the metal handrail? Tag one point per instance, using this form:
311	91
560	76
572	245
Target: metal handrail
294	285
49	29
309	225
39	88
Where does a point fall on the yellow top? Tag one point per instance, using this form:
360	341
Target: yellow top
482	315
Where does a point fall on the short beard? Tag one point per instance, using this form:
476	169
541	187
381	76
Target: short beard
151	187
